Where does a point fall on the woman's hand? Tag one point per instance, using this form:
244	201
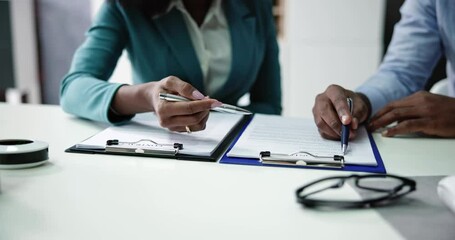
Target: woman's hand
175	116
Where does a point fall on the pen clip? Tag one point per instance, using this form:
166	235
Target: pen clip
301	158
173	98
350	105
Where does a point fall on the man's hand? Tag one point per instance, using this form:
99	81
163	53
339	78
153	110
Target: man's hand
331	110
422	112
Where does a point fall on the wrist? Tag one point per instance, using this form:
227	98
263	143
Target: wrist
118	100
145	94
367	104
129	100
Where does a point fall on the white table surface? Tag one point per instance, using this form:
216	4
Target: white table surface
80	196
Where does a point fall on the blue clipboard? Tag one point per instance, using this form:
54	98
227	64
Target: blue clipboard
380	168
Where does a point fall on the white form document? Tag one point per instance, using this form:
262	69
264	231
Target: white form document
146	126
286	135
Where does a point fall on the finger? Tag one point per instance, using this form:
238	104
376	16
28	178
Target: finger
407	102
182	88
406	127
196	121
381	113
352	134
338	98
393	115
187	108
353	128
325	117
355	123
183	129
326	131
178	129
201	124
328	135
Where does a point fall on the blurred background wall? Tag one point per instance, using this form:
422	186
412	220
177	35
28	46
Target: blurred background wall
322	42
6	54
61	25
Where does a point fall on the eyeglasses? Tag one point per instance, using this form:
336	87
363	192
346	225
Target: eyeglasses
375	189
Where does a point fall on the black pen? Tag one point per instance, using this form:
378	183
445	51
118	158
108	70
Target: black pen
345	129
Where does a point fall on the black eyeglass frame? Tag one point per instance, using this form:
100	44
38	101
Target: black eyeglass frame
392	194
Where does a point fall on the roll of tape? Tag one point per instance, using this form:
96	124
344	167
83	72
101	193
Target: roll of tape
22	153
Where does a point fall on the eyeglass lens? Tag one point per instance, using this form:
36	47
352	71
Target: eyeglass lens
379	183
348	189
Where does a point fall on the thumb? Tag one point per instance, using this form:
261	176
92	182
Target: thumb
345	111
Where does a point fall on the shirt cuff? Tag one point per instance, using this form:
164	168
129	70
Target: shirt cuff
377	100
112	115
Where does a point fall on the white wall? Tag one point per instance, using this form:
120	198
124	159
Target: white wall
25	48
328	41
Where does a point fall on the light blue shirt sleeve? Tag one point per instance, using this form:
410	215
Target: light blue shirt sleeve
412	54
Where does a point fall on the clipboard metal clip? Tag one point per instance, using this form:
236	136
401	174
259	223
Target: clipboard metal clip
143	146
302	158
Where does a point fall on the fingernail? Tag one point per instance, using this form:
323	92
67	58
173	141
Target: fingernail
197	94
344	119
216	104
384	133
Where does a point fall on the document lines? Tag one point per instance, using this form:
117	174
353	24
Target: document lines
289	135
292	141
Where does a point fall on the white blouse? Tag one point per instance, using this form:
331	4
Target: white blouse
212	44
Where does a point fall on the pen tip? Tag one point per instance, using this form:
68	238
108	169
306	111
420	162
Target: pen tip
344	148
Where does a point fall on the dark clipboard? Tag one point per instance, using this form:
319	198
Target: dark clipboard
380	168
225	144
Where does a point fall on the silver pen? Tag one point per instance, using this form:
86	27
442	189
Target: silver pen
226	108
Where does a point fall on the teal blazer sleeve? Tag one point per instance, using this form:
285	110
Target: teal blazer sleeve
160	46
85	91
